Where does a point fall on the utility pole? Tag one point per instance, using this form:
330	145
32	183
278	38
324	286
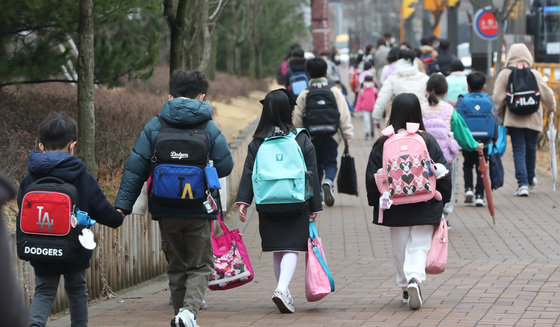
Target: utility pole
453	25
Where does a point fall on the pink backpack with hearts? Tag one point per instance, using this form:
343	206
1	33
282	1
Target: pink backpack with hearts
407	174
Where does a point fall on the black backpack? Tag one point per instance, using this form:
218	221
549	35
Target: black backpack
47	228
522	93
321	116
179	158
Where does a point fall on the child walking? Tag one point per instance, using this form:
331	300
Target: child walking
448	127
366	101
282	234
411	225
57	137
472	107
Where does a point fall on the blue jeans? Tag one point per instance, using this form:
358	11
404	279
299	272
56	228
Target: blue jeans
75	285
326	151
524	144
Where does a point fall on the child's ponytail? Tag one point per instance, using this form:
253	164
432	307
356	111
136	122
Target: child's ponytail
436	88
432	98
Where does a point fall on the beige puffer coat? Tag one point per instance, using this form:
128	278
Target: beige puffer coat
519	54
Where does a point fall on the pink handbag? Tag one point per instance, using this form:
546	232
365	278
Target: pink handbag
318	279
232	267
437	256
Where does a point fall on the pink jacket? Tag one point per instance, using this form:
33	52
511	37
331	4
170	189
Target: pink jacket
366	99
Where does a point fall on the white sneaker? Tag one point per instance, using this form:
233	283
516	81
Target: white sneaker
184	318
414	295
284	304
533	182
522	190
479	202
469	196
328	192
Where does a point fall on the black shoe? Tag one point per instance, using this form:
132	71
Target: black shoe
414	294
405	297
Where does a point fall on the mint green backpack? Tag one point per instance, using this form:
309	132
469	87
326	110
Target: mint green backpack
279	176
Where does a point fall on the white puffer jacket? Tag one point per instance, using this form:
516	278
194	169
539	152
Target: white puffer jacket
406	79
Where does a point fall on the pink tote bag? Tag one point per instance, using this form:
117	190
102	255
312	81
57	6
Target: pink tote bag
232	267
318	279
437	256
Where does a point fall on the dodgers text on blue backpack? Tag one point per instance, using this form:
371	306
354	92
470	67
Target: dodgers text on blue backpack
180	157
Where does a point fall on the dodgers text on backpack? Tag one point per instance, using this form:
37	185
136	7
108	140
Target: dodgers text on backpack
179	160
47	228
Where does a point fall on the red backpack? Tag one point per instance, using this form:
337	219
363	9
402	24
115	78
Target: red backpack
47	228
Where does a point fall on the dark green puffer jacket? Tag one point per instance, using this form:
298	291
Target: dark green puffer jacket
180	112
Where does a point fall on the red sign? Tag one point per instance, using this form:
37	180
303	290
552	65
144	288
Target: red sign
486	25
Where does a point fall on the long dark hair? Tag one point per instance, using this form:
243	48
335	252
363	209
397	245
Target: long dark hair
405	109
277	110
437	85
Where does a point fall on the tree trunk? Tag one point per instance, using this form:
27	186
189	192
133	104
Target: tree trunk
176	23
86	109
206	37
211	69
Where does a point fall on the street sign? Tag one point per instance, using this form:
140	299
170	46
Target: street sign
485	25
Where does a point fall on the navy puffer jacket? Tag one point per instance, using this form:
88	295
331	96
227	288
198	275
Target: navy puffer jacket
179	112
69	168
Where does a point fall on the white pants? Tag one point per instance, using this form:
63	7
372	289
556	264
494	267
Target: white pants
410	250
448	207
367	122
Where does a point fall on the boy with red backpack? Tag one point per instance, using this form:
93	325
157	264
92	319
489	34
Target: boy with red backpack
401	170
48	228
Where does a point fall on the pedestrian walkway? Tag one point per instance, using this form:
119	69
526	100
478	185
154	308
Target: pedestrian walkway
498	275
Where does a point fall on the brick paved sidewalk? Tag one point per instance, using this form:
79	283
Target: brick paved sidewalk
498	275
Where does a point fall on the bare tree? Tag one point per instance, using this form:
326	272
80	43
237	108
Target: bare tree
192	24
86	110
175	16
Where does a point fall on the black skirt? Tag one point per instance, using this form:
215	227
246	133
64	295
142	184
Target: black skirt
284	233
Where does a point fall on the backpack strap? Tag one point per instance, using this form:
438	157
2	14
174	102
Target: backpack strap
412	128
388	131
201	126
302	131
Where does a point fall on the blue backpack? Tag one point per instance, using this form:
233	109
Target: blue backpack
478	112
298	82
279	179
